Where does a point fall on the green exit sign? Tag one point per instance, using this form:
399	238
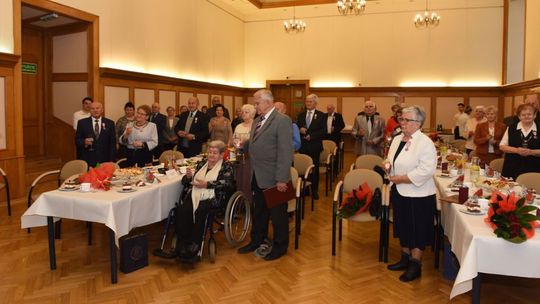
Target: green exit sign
29	68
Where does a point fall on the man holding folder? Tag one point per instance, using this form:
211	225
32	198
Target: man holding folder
271	152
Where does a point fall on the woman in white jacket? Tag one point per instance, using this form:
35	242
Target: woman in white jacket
414	160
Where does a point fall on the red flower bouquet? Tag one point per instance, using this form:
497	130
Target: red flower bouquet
511	218
356	202
100	176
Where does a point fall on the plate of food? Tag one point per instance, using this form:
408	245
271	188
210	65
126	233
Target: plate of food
472	209
127	188
68	187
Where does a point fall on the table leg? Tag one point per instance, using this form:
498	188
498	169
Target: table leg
52	251
476	289
114	273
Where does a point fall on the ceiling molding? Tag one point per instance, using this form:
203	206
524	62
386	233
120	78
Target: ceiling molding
293	3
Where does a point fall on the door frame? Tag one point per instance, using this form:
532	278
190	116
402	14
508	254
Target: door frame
304	82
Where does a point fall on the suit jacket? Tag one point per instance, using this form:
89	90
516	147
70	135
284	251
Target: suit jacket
481	137
169	131
377	135
161	121
199	128
338	124
271	150
103	148
316	132
212	112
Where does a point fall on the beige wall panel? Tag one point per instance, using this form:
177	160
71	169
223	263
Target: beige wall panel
532	43
66	99
238	101
143	96
350	106
424	102
518	100
183	98
167	99
6	27
179	38
384	106
70	53
508	106
484	101
446	109
115	99
228	102
251	100
204	100
2	113
324	102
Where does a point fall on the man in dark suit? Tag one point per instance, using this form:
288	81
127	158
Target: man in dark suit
159	120
334	124
216	101
312	124
192	129
95	137
271	152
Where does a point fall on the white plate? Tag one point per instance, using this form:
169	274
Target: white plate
126	191
482	212
445	175
91	191
68	189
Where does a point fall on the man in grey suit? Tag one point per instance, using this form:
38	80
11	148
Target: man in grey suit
271	152
368	130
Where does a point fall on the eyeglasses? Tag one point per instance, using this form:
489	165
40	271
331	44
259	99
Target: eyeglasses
401	119
142	113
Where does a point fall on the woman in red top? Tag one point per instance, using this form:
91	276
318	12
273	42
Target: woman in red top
488	135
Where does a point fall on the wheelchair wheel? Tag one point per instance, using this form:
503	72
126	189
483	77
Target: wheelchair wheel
212	250
237	219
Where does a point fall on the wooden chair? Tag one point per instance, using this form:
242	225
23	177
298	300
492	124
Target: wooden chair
168	154
531	180
4	184
327	158
304	165
367	161
351	181
459	144
341	156
121	162
294	205
497	164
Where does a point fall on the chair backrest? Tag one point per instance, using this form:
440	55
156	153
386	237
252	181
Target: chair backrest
497	164
71	168
4	177
357	177
302	162
329	145
367	161
294	178
170	153
531	180
329	148
459	144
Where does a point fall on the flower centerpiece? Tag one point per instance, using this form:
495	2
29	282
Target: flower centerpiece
356	202
100	176
510	218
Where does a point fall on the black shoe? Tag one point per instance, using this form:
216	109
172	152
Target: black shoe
189	260
165	254
274	255
248	248
414	271
402	264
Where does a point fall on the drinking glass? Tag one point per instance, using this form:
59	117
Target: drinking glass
90	137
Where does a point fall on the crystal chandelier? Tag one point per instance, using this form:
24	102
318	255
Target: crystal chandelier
426	19
346	7
294	25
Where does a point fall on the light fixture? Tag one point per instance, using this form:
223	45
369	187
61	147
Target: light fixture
294	25
426	19
346	7
49	17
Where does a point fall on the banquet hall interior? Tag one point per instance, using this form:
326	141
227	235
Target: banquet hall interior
54	53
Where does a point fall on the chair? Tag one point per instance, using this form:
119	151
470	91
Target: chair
367	161
120	162
5	184
341	156
327	158
304	165
459	144
497	164
168	154
294	205
351	181
68	170
531	180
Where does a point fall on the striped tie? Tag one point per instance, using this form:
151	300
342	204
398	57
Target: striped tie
259	125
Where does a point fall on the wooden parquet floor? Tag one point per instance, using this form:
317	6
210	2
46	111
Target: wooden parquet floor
307	275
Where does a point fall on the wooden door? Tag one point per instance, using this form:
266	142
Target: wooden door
292	95
32	93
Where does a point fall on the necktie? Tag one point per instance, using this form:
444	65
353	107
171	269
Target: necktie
191	114
96	128
308	119
259	125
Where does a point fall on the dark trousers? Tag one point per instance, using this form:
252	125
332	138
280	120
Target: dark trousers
187	230
261	217
139	157
156	152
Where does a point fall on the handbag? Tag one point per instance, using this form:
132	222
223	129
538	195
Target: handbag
133	253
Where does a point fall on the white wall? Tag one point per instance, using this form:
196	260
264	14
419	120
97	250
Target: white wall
6	26
516	40
532	40
70	53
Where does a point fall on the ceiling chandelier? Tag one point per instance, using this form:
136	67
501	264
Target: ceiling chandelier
346	7
426	19
294	25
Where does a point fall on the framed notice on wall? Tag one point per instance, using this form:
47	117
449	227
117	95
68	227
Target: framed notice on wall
2	113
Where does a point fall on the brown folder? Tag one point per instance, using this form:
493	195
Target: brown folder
273	197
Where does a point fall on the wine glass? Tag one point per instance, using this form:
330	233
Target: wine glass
387	165
90	138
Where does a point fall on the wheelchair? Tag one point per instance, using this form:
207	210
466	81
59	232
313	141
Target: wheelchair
234	218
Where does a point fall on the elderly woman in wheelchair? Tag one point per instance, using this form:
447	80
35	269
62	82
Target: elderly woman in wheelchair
205	188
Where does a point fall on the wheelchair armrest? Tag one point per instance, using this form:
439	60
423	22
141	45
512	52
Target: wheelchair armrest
337	192
308	171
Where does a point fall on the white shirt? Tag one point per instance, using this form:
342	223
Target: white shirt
329	123
417	160
266	117
460	120
504	139
78	116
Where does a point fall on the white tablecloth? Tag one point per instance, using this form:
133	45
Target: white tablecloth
479	250
121	212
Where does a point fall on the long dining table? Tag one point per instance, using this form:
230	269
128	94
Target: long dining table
119	211
477	248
